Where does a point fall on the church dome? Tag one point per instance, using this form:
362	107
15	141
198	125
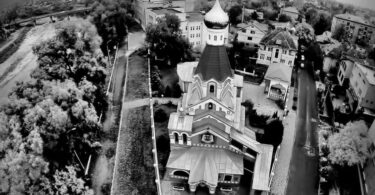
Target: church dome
216	18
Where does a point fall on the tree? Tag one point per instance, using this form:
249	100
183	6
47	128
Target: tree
305	33
156	84
254	15
234	14
166	41
273	133
311	16
323	23
350	146
74	54
284	18
112	19
340	33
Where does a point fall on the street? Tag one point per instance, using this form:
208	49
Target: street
303	172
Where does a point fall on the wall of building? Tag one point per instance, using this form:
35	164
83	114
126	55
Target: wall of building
345	68
250	35
356	30
268	55
363	89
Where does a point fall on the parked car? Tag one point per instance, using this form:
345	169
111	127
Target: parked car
302	65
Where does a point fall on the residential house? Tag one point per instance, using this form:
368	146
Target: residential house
277	79
361	90
345	69
277	46
292	12
251	33
282	25
358	28
331	59
211	149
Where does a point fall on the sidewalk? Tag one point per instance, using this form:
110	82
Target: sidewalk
279	182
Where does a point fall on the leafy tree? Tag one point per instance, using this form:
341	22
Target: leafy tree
284	18
323	24
234	14
166	42
350	146
156	84
254	16
312	16
305	33
112	19
74	54
340	33
273	133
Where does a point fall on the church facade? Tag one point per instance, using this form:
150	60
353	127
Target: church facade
210	146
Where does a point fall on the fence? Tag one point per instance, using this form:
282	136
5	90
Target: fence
154	150
274	165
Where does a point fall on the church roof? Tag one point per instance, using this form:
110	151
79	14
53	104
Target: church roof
214	64
279	72
281	38
216	16
205	164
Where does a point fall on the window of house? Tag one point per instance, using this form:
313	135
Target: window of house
268	58
193	27
197	35
249	38
215	38
186	27
269	49
285	51
238	92
210	106
252	32
344	66
221	177
262	56
228	178
290	62
175	138
221	37
236	179
209	37
277	53
243	30
364	82
184	138
282	61
207	138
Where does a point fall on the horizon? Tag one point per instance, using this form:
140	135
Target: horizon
369	4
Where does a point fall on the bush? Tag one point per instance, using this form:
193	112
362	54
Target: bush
294	107
295	98
106	188
160	116
110	152
280	103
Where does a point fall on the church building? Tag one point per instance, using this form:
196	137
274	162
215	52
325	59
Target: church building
211	149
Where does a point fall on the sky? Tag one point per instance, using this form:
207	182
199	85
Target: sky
360	3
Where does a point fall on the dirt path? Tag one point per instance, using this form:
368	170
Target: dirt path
19	66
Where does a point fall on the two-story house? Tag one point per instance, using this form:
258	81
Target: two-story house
211	149
277	46
251	33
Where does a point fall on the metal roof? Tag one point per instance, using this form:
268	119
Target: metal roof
262	168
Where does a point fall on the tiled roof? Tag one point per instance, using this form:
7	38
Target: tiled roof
279	72
214	64
260	26
281	38
205	164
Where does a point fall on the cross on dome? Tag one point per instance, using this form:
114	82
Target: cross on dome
216	18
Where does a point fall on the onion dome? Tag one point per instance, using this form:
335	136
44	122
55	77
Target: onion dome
216	18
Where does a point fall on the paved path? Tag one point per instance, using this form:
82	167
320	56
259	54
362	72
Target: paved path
279	181
303	172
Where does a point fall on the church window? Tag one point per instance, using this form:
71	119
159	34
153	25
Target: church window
210	106
175	138
215	38
212	89
184	138
238	92
181	173
207	138
228	178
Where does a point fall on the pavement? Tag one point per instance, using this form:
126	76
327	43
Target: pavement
303	170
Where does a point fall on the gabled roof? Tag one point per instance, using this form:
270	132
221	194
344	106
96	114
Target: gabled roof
291	9
281	38
260	26
353	18
205	164
214	64
180	122
279	72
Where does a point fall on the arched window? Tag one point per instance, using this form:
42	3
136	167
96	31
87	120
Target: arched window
175	138
210	105
212	89
215	38
277	53
184	138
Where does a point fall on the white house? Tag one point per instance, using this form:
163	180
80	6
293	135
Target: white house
251	33
277	79
277	46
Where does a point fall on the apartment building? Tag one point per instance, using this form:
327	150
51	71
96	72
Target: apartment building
358	28
277	46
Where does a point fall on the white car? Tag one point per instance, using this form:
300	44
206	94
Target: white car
302	65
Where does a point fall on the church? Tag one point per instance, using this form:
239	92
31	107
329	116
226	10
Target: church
211	149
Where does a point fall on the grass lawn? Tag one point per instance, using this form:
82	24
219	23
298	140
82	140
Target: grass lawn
137	86
162	137
135	173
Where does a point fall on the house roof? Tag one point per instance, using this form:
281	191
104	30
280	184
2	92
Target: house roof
194	17
180	122
262	27
214	64
279	72
368	72
281	38
291	9
353	18
262	168
205	164
162	11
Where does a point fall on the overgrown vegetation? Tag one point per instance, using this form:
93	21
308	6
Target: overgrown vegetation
13	47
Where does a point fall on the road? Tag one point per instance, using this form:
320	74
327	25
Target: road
303	172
